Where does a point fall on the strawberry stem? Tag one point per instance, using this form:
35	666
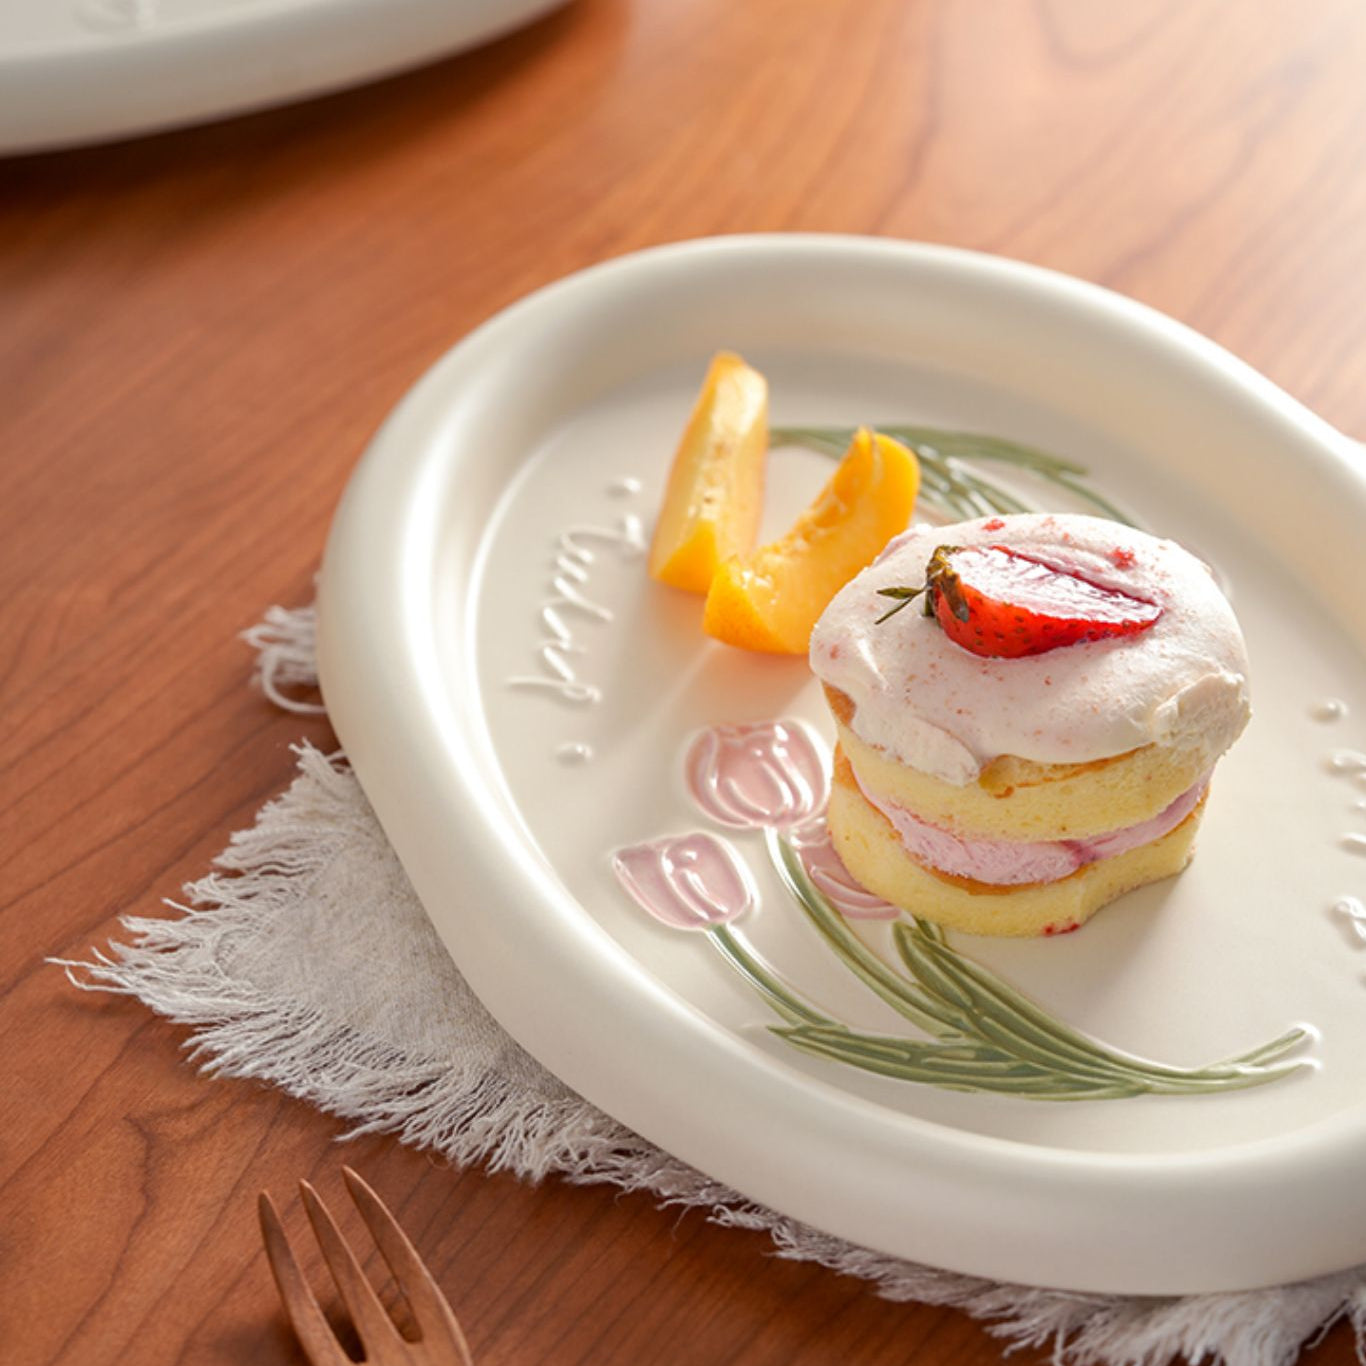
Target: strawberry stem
942	579
904	595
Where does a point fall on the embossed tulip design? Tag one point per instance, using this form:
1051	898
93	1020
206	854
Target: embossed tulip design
766	774
978	1033
832	879
770	775
691	882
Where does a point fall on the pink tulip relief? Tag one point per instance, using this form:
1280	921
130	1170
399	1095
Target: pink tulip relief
688	882
764	774
831	878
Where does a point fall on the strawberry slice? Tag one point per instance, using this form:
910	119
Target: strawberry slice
996	602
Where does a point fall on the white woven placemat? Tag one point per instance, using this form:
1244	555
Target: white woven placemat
304	959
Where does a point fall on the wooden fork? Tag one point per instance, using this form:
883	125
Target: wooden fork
440	1341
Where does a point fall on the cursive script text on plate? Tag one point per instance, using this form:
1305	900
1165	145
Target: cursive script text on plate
569	606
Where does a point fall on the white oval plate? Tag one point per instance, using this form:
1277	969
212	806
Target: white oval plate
74	71
560	416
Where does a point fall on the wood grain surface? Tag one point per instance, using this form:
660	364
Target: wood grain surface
199	332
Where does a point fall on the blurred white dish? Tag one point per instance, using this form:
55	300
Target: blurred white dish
77	71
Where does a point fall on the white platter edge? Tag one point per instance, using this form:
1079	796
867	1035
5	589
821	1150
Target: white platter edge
964	1202
103	83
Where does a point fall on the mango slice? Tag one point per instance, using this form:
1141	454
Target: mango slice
769	600
715	493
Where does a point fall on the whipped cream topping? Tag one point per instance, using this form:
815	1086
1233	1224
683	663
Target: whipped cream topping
1008	863
935	706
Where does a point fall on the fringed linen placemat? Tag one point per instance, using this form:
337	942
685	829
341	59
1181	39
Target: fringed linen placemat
305	960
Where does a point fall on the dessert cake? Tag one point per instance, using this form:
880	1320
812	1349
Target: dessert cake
1028	712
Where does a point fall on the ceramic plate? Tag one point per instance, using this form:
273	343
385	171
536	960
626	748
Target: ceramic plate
74	71
523	705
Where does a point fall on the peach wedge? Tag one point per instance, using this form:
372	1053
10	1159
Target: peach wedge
770	600
715	493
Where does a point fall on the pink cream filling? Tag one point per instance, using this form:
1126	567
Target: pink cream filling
1009	862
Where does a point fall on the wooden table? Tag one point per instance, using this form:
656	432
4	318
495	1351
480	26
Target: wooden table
199	332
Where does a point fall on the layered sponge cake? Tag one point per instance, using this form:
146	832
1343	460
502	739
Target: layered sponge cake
1028	710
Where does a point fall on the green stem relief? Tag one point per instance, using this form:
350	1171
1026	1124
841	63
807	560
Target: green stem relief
947	467
981	1034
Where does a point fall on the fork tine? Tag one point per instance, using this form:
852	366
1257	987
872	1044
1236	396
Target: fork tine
429	1306
373	1324
301	1305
